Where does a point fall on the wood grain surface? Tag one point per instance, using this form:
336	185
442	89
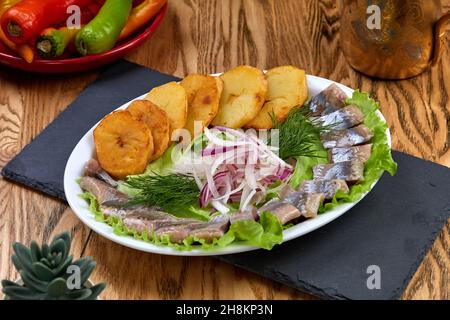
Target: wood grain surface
213	36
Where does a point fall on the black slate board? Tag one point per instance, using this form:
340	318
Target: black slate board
41	164
392	228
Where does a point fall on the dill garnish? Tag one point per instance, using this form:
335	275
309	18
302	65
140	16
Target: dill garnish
168	192
299	135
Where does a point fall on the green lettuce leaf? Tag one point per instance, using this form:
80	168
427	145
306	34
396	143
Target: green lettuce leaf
303	168
265	234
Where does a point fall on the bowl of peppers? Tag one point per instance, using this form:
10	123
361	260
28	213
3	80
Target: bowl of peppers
59	36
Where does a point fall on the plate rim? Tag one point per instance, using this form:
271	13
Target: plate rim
292	233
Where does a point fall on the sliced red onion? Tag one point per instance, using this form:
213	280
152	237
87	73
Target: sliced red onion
238	168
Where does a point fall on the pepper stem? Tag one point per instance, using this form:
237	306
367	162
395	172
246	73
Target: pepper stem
82	47
44	46
14	30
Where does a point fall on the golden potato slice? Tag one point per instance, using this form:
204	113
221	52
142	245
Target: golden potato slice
203	96
157	121
286	89
171	97
123	144
244	92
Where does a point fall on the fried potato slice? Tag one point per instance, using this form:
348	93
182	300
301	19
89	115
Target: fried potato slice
157	121
123	144
171	97
287	89
203	95
244	92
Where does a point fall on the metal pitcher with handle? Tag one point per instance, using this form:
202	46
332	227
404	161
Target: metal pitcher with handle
392	39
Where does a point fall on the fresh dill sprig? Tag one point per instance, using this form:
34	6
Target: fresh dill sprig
299	135
168	192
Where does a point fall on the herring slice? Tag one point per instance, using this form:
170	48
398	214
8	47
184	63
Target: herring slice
357	153
350	171
244	215
297	204
212	229
284	211
346	137
103	192
344	118
307	203
327	187
329	100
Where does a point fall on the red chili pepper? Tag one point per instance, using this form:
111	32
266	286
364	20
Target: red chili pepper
28	18
88	13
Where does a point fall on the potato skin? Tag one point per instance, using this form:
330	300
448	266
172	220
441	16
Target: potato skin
203	95
171	97
287	89
156	120
123	144
244	93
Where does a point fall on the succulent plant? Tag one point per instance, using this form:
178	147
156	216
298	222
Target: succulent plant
45	274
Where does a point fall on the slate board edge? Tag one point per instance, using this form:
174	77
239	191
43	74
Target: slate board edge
327	294
440	224
303	287
31	183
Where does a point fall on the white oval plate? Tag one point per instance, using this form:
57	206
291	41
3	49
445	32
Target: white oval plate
84	151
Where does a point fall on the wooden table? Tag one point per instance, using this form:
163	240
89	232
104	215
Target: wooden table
213	36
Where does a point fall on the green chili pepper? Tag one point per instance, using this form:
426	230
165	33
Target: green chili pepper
101	34
53	42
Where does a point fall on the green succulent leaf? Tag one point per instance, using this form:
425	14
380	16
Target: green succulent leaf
57	259
80	294
60	270
21	293
7	283
57	288
87	271
43	271
22	260
96	290
65	236
30	281
35	251
86	265
58	246
45	250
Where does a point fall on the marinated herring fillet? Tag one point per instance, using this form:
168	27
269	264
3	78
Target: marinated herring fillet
142	218
346	137
357	153
284	211
327	187
213	229
344	118
244	215
328	101
103	192
297	204
143	225
93	169
307	203
350	171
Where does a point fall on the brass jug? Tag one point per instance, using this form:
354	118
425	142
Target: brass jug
392	39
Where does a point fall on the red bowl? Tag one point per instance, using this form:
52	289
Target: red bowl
87	62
